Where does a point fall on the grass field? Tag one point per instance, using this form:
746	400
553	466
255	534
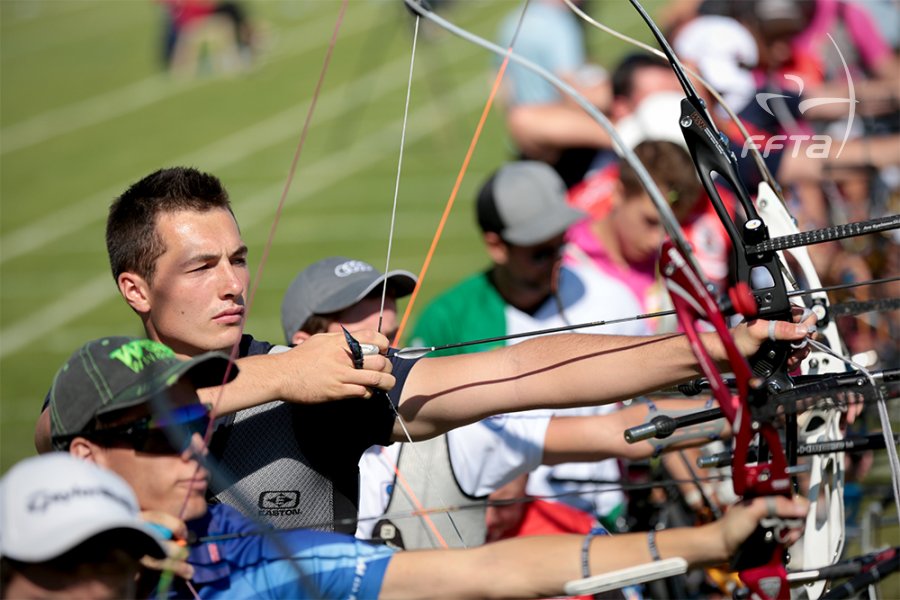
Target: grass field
86	109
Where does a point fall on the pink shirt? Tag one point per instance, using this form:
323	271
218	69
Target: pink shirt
865	36
639	280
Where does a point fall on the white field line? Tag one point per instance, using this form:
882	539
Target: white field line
148	91
217	155
324	172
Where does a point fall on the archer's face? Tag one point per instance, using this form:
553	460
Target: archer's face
163	480
646	82
364	315
95	581
532	270
638	229
196	298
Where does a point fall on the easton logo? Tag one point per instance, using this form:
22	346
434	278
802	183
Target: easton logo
279	500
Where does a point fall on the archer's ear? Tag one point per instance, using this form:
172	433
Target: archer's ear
497	249
617	197
300	337
620	108
84	449
135	290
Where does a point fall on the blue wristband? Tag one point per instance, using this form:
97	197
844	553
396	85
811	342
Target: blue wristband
586	549
651	544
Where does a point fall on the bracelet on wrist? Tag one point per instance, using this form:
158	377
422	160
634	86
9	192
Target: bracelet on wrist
586	549
651	545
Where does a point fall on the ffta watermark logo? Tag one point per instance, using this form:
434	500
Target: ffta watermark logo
815	145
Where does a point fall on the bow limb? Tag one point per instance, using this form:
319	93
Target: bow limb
693	302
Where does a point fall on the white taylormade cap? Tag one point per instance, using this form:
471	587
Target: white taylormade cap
50	504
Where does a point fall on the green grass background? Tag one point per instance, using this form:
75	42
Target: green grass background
85	109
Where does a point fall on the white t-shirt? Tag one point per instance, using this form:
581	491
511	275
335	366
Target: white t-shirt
589	296
484	456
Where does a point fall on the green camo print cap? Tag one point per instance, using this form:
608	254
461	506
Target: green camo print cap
111	374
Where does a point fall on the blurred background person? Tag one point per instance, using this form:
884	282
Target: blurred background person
543	124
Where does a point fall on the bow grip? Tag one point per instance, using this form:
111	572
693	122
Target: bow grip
760	270
769	579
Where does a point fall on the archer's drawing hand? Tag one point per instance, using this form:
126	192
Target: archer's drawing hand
174	532
322	368
742	519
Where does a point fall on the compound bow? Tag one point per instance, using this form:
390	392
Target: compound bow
761	290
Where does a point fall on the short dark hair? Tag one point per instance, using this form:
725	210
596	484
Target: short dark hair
317	324
132	241
671	168
624	73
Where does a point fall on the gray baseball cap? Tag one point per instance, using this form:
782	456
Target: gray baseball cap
333	284
525	203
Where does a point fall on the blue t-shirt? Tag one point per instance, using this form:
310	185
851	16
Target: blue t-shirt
297	563
551	37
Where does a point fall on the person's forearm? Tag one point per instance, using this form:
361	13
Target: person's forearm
560	371
536	567
573	439
555	371
257	383
541	128
319	370
578	369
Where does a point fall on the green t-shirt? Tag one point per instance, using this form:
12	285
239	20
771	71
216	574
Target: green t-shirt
471	310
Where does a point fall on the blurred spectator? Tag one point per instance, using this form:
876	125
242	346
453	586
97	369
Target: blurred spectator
647	106
543	124
193	27
636	76
71	529
724	52
623	238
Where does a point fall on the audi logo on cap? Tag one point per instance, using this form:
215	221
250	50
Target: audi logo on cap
350	267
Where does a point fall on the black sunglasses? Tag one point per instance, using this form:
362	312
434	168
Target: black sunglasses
545	252
169	433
